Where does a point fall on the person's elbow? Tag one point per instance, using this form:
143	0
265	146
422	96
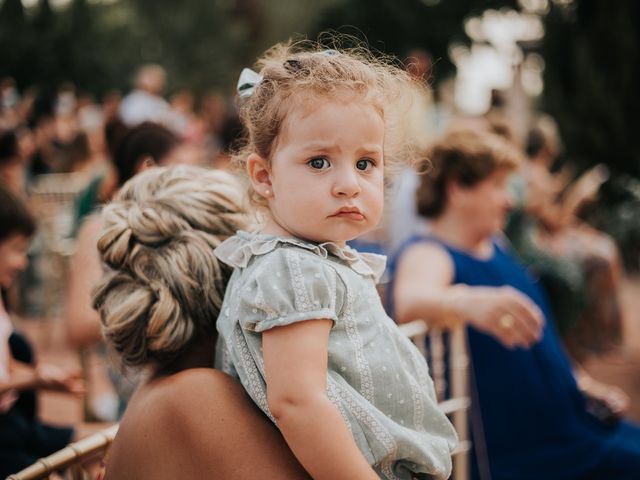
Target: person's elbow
404	308
83	329
290	403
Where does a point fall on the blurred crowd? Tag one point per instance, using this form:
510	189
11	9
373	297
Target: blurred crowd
78	133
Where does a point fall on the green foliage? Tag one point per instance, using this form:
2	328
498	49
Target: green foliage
198	42
98	46
204	43
589	49
397	27
13	37
591	81
618	214
591	88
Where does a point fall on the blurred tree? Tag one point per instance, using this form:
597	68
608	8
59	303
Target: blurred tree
44	69
198	42
13	40
399	27
591	75
589	49
78	41
591	80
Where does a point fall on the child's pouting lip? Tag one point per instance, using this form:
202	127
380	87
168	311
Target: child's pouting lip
352	213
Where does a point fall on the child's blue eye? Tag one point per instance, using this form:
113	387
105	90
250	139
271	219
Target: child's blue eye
318	163
364	164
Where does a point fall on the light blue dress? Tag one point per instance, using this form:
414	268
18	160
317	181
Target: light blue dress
376	377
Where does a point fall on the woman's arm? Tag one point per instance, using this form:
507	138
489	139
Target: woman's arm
423	290
584	189
83	322
295	358
23	376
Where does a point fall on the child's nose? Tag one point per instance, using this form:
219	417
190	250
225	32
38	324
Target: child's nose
346	184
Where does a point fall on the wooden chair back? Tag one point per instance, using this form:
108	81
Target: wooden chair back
448	354
74	458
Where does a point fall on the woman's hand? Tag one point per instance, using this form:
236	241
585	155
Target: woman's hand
426	293
614	399
50	377
503	312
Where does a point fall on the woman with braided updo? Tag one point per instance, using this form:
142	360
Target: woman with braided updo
158	303
146	146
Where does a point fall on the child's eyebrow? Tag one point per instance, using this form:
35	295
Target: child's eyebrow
371	149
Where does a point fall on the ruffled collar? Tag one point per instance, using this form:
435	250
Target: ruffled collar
236	251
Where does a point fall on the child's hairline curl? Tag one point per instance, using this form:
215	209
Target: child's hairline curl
384	84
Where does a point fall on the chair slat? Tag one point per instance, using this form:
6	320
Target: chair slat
454	347
75	454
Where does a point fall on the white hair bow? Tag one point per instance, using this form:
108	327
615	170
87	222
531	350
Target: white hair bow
247	82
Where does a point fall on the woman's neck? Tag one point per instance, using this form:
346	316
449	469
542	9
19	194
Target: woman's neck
199	354
457	232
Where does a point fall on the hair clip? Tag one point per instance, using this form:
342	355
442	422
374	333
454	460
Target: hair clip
292	65
249	79
248	82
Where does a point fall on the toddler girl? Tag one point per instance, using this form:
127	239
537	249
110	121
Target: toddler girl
302	325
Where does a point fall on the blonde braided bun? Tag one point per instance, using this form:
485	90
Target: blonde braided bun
164	287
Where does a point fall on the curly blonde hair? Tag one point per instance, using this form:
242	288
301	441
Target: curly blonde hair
164	287
306	71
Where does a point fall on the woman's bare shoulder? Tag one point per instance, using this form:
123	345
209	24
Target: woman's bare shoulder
421	254
198	422
171	401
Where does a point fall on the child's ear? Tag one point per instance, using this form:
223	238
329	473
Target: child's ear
144	163
259	175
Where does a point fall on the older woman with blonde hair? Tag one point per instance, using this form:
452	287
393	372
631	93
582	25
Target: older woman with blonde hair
536	421
158	303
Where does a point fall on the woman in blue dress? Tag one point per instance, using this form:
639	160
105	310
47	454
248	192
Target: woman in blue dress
537	422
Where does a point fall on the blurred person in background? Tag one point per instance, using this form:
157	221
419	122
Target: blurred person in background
531	419
9	101
145	102
579	265
12	168
23	437
186	121
144	146
15	109
65	113
16	151
44	131
229	136
221	127
422	123
111	105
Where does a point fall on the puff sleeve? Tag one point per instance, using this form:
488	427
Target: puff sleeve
290	285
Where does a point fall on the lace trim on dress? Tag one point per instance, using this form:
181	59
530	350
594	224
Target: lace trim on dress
238	250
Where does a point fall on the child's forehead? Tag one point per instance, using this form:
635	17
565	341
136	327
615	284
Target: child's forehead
317	113
302	105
